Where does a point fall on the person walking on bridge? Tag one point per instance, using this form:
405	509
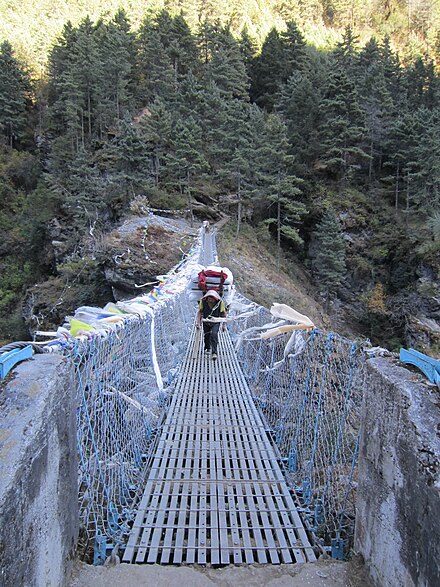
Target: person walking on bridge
211	310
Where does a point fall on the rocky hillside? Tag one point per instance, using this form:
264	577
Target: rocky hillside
122	264
408	317
130	259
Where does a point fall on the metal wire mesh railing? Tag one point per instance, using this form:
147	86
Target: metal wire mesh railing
308	387
126	361
124	384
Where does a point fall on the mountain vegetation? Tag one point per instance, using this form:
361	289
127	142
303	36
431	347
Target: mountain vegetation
329	147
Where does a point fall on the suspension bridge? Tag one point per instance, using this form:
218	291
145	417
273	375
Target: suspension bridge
186	460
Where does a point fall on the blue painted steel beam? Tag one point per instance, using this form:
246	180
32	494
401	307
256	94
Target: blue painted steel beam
100	549
430	367
11	358
337	550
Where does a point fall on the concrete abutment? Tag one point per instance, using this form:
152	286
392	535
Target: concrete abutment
398	500
38	474
398	493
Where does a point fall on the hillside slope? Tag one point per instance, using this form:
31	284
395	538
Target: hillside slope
252	257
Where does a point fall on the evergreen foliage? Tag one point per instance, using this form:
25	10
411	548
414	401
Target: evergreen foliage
414	26
15	96
268	71
194	106
328	261
278	187
343	129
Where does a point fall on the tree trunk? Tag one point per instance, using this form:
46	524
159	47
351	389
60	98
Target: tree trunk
344	159
188	191
118	114
239	207
407	197
156	169
278	232
370	167
89	109
82	128
396	195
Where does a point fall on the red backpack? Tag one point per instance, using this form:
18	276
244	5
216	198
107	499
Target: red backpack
210	279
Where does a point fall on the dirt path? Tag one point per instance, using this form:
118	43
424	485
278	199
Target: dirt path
324	573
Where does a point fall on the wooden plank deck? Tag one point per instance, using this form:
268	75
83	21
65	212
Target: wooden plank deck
215	493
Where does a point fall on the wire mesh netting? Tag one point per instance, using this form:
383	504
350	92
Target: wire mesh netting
124	384
308	387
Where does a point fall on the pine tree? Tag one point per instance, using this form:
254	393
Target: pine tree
15	95
186	161
191	97
278	187
378	107
156	131
294	50
59	84
420	83
299	105
156	75
425	189
346	54
208	37
80	189
226	68
116	47
163	25
414	150
400	147
376	101
269	69
328	254
215	125
343	129
248	49
75	76
238	170
183	48
391	70
131	156
85	70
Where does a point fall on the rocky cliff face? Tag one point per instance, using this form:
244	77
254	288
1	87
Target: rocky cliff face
141	250
398	495
423	322
124	263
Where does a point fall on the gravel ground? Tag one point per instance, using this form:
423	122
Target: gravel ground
324	573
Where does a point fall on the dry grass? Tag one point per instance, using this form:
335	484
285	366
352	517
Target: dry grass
252	259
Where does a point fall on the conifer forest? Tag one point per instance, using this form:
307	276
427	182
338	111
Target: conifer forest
315	122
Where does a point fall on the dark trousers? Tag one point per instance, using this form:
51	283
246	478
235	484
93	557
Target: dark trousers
210	334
